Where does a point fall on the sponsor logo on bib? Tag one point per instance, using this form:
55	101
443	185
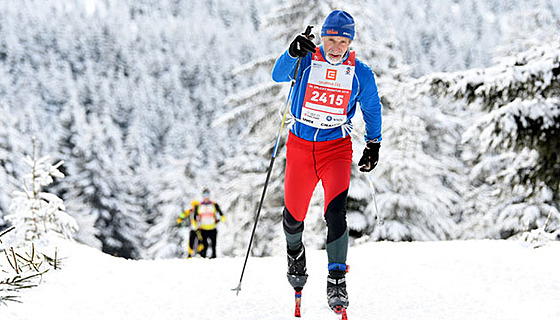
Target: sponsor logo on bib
331	74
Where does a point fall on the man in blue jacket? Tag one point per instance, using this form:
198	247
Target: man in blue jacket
330	83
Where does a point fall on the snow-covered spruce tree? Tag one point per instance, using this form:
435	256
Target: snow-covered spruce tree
104	188
38	219
37	214
516	166
72	119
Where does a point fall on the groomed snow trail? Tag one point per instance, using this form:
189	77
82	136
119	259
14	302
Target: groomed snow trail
471	280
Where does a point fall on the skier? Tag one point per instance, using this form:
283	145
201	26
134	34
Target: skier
195	237
330	83
205	217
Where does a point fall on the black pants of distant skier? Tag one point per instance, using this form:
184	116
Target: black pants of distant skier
209	235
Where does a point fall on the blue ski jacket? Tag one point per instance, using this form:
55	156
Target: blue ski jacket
364	91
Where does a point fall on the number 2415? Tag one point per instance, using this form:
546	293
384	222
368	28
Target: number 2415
327	98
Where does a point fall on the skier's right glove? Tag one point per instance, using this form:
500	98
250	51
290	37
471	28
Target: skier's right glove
370	157
301	46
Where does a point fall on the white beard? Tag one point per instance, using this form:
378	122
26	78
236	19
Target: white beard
335	61
332	61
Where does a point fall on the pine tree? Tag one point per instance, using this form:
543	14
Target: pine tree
516	164
37	214
38	219
72	120
103	187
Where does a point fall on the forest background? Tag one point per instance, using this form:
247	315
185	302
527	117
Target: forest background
147	102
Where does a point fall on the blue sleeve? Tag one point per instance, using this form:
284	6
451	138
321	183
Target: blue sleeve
284	67
370	104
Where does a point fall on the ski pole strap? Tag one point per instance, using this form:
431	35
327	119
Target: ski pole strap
338	266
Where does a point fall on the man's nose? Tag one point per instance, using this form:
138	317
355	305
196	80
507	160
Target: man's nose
338	46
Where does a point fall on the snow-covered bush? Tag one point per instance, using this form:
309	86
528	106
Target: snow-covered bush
36	214
37	218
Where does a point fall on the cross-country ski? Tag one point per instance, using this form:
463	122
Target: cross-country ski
341	312
297	312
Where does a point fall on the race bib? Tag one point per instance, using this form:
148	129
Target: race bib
328	92
206	213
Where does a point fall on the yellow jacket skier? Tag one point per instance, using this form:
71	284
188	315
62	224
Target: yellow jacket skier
204	218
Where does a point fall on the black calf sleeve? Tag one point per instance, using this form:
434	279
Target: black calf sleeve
293	230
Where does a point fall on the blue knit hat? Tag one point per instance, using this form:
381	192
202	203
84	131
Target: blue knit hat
339	24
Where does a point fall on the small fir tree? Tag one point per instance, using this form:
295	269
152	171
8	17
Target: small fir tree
37	217
35	213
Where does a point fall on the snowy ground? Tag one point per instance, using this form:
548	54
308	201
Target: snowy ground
472	280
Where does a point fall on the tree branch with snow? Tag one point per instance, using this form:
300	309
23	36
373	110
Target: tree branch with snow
520	124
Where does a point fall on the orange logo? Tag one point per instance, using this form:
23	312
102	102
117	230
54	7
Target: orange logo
331	74
332	31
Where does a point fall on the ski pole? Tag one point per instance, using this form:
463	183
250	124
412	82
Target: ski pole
377	216
308	34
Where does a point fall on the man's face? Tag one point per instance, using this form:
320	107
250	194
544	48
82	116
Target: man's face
335	47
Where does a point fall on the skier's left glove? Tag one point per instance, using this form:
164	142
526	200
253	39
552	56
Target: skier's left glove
370	156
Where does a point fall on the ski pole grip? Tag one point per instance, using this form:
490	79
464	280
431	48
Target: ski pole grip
308	33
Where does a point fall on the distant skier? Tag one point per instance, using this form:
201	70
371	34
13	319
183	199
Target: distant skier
330	83
205	217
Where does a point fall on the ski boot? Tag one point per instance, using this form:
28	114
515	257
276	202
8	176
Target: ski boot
297	275
337	296
297	270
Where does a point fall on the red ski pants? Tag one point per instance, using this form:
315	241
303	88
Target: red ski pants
307	162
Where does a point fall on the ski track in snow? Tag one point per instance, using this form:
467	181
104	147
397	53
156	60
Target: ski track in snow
474	280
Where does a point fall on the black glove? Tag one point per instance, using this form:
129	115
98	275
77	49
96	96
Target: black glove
370	157
301	46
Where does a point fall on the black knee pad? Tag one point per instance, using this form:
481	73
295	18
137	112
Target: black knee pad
336	217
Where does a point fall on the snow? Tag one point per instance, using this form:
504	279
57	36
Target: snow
484	279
